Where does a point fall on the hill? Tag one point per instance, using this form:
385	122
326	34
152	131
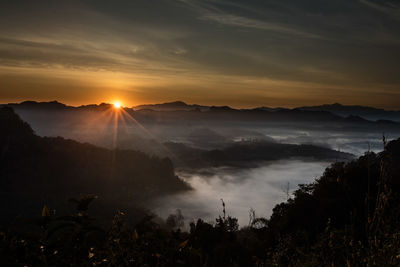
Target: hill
368	113
347	217
251	153
35	170
171	106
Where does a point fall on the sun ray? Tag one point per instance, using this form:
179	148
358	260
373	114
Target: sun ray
115	142
153	137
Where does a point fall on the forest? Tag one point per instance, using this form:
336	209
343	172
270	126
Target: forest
349	216
36	170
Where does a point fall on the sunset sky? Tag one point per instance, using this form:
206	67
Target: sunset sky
214	52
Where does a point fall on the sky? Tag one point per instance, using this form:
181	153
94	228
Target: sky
213	52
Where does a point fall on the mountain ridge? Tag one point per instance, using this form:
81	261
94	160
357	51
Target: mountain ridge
349	112
366	112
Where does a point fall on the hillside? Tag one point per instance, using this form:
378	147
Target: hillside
251	153
347	217
35	170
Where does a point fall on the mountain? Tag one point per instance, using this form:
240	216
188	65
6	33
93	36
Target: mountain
34	170
251	153
368	113
52	105
269	109
53	118
171	106
264	115
55	106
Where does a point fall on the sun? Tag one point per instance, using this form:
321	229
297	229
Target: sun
117	105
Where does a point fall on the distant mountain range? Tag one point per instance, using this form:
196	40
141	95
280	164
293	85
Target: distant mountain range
172	106
54	105
327	112
368	113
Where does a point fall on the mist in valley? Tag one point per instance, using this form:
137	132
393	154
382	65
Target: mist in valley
259	189
258	185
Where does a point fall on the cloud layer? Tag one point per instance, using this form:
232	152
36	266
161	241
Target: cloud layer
242	53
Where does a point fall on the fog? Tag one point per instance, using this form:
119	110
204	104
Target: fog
257	188
352	142
242	189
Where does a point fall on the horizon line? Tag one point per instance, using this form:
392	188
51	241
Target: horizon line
196	104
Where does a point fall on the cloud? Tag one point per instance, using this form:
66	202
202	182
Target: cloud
233	20
206	45
259	188
387	7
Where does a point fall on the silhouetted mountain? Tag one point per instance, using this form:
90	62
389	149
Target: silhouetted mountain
51	106
171	106
55	106
145	129
228	115
368	113
269	109
37	169
184	111
338	110
222	109
93	107
251	153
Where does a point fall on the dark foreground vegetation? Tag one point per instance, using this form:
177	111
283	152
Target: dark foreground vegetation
36	170
347	217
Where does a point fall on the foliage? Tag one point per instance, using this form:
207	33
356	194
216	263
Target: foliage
36	170
348	217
